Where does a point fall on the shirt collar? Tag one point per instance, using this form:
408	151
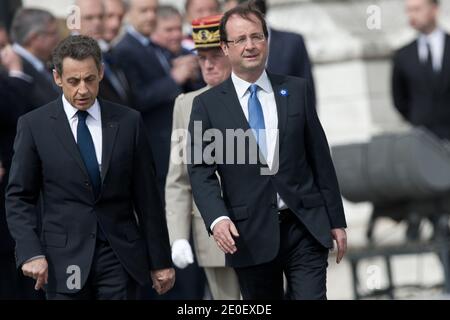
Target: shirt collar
242	86
433	37
145	41
27	55
71	111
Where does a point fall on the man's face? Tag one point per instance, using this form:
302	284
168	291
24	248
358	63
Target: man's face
201	8
422	15
215	66
168	33
114	12
46	41
79	81
249	56
142	15
92	14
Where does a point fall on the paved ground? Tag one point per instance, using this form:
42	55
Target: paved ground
424	269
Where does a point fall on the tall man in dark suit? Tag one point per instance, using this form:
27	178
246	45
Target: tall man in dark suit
35	34
267	222
104	229
421	72
154	82
114	87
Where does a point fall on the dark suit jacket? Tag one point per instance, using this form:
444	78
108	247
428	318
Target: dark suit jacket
13	101
154	92
44	89
288	56
306	179
107	90
422	99
47	159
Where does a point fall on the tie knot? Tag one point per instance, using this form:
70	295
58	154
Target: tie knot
82	115
254	88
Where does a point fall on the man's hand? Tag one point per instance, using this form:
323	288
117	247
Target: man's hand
340	236
38	270
163	279
223	232
10	59
182	255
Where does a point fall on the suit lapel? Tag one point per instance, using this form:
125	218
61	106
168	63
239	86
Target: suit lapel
445	67
65	135
109	133
231	102
281	95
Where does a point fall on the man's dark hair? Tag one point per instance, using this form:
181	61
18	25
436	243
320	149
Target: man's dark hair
261	5
78	48
245	11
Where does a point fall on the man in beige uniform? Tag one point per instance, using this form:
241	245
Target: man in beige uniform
181	210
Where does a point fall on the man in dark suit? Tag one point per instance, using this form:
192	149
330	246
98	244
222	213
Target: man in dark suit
421	71
104	229
35	34
154	82
267	219
287	52
13	101
114	86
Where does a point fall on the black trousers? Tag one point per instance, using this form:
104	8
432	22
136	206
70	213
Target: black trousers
301	258
107	280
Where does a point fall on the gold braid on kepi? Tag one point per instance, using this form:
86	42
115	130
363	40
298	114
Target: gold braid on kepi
206	33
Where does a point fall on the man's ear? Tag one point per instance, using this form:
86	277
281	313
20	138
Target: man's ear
101	72
224	47
57	78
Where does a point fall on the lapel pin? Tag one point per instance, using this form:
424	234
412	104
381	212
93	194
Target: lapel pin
283	92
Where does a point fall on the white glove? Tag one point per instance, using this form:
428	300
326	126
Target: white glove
182	253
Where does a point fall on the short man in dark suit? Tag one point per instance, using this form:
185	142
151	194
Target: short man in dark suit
104	229
421	71
270	219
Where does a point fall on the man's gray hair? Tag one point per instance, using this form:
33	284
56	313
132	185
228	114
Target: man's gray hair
29	21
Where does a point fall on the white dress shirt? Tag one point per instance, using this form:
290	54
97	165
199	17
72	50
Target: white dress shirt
93	122
267	99
436	39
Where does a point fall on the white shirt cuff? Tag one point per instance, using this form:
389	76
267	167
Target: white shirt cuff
217	220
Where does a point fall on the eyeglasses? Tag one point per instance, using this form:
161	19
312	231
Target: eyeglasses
241	41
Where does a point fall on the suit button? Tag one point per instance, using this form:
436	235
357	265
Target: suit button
273	205
92	235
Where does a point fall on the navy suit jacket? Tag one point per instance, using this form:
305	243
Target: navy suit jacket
43	90
288	56
14	94
154	92
47	160
306	179
421	98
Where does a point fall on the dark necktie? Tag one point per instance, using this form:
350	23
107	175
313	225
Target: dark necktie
256	119
429	61
87	150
